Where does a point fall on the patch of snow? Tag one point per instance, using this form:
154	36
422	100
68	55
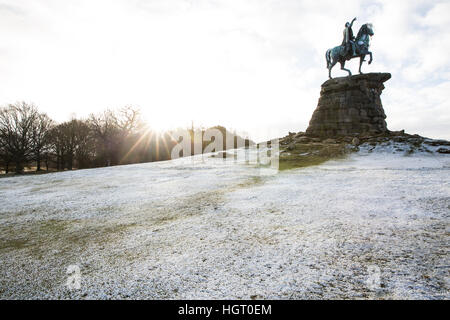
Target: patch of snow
214	228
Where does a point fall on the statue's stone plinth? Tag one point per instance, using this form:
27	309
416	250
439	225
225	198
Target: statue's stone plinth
350	106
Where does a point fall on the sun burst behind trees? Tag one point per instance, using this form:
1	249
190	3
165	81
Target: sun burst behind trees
30	140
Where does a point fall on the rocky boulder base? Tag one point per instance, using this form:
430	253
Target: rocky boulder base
300	149
350	106
350	116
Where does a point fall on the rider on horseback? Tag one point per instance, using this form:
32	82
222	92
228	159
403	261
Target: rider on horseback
359	46
349	39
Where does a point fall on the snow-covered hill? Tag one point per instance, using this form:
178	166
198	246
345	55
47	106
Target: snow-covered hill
373	225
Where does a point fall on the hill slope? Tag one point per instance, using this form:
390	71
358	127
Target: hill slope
219	229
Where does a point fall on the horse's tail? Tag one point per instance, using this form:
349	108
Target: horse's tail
328	57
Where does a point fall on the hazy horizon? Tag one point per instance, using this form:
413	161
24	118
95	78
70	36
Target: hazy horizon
252	66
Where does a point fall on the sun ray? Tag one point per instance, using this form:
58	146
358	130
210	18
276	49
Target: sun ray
143	136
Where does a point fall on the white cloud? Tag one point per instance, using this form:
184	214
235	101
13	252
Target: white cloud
250	64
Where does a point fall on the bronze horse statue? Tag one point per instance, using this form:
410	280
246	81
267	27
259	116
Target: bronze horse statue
340	53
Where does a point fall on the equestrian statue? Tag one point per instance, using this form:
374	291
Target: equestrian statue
351	47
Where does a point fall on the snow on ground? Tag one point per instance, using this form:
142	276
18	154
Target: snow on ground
372	226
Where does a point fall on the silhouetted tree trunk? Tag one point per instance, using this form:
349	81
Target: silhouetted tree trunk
62	162
19	167
70	162
38	161
58	161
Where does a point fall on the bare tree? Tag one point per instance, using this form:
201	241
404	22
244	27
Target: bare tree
106	132
111	129
16	132
84	149
57	146
69	139
72	141
41	137
129	120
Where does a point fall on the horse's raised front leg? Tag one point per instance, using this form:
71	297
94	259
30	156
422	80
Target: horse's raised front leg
371	57
343	68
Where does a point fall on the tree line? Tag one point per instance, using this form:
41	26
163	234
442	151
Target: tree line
30	138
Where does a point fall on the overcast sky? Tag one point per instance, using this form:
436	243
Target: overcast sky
253	65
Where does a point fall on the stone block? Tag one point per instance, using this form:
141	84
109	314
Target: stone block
350	105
